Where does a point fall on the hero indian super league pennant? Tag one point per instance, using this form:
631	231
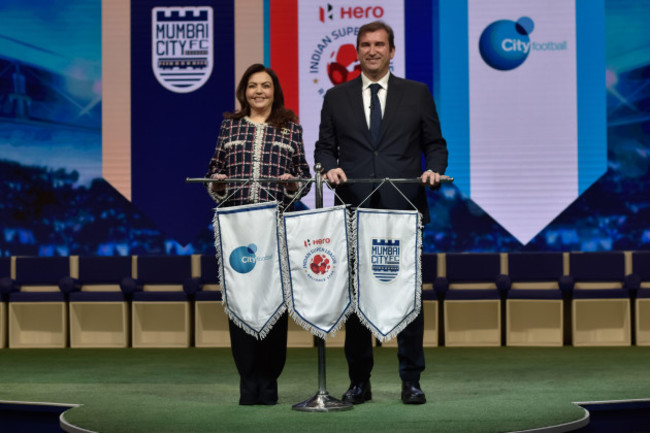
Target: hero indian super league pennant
247	244
388	269
319	295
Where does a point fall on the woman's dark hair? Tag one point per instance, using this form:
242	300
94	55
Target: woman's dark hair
279	114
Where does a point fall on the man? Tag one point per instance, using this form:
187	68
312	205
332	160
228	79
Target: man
352	144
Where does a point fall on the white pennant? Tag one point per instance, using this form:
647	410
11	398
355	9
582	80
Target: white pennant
319	295
247	244
388	276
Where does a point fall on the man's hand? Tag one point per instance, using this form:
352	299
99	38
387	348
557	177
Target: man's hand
431	179
336	176
218	187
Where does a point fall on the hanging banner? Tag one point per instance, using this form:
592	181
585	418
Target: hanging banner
175	87
319	294
525	159
388	277
327	36
247	244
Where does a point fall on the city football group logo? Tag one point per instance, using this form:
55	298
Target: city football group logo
243	259
505	44
182	47
385	259
319	261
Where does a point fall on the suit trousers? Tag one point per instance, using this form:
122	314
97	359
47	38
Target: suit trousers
410	352
259	362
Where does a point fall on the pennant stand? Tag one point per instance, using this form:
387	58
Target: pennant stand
322	401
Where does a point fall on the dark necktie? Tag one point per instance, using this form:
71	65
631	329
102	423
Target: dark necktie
375	112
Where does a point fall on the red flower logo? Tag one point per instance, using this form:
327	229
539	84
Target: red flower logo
320	264
338	70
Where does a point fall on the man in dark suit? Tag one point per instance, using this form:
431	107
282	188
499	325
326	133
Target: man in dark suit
381	132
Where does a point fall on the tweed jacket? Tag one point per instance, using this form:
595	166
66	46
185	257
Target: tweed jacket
249	150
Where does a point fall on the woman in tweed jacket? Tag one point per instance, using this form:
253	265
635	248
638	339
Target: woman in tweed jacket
260	140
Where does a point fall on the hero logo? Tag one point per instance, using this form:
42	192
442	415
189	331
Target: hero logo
323	13
505	45
349	12
309	243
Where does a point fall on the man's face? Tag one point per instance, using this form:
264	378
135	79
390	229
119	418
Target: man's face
375	54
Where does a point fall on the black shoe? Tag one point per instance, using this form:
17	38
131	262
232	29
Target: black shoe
412	394
358	393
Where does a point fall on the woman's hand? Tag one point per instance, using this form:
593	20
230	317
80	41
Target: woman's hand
291	187
218	187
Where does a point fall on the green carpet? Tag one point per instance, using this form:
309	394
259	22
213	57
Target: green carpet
196	390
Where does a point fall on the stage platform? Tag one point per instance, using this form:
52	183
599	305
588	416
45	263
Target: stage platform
502	389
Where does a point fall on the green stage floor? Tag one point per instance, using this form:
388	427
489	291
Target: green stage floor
196	390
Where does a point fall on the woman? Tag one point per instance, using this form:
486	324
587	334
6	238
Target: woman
260	140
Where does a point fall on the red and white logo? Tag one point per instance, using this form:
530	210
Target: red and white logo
319	264
344	65
325	12
350	12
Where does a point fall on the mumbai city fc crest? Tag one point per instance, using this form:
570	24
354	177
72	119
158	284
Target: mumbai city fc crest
384	257
182	48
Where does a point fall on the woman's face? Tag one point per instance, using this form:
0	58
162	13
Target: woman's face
259	92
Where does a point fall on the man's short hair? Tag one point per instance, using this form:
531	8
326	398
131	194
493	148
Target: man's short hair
373	27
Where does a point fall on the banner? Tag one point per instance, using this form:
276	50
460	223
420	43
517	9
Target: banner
178	97
327	35
247	244
319	295
388	277
524	107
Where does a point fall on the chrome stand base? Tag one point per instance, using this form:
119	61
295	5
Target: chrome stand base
322	402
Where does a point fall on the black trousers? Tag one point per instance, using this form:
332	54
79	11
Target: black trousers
358	350
259	362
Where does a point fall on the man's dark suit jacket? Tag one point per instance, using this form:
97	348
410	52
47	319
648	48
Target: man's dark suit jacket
409	129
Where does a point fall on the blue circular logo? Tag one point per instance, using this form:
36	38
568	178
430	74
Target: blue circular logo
243	259
505	44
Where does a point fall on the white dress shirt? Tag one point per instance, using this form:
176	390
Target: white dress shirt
381	94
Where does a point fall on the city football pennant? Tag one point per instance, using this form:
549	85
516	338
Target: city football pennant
319	294
247	244
388	276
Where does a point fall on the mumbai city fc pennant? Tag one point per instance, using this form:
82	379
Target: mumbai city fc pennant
182	47
319	293
247	244
388	277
